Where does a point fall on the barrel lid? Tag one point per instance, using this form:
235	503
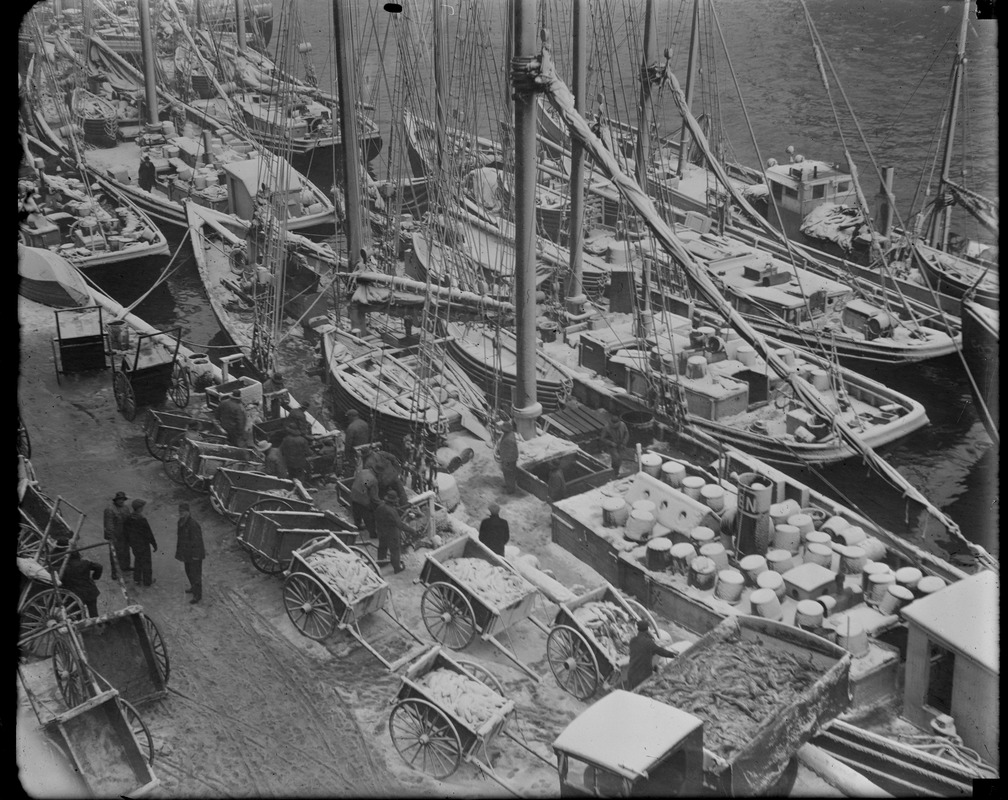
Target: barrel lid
651	459
711	490
769	580
874	567
613	503
809	608
908	575
753	561
745	348
693	481
712	549
760	596
930	584
836	524
901	592
800	520
730	576
659	543
819	549
785	528
882	577
696	360
701	534
683	549
673	468
817	537
852	534
641	515
778	555
702	564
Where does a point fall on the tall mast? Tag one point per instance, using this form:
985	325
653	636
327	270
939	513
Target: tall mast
645	114
347	76
690	67
526	408
147	48
575	291
943	230
439	85
240	24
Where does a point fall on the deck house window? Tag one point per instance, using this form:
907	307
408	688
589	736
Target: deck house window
843	186
777	189
789	192
819	190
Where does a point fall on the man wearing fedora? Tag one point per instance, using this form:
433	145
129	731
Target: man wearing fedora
114	516
232	418
190	551
141	540
273	460
296	451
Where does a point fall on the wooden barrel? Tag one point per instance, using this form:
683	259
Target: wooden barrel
672	473
752	566
834	525
614	512
779	561
852	559
651	464
692	485
766	604
821	554
716	552
639	525
681	556
658	554
701	535
713	496
773	581
929	584
729	585
803	522
779	512
895	598
702	573
787	537
871	568
879	584
908	577
808	614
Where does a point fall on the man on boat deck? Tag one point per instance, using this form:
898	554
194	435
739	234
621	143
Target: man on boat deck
613	439
232	418
508	450
390	528
146	173
643	649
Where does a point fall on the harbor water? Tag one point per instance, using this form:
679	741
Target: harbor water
894	61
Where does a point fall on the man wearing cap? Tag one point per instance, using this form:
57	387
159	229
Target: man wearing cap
508	451
114	516
390	526
146	173
295	450
613	439
232	418
643	649
494	532
364	500
274	463
189	550
79	577
141	540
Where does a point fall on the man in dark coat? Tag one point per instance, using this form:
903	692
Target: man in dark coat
297	419
364	500
556	485
613	440
146	173
114	516
508	450
273	460
494	531
275	395
295	450
141	540
357	433
643	648
390	528
79	577
189	550
232	418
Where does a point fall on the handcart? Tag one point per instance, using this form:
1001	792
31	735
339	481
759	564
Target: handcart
271	537
43	523
80	341
155	371
581	656
163	431
455	611
194	463
316	606
429	731
233	492
125	648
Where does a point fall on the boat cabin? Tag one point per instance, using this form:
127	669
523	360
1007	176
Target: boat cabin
952	661
244	179
627	745
798	188
870	321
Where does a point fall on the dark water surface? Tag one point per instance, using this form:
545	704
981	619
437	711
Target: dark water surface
882	51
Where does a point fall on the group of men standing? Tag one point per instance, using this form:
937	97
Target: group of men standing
376	494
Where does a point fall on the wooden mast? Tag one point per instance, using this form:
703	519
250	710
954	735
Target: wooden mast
690	67
147	48
645	113
575	296
523	65
240	24
439	87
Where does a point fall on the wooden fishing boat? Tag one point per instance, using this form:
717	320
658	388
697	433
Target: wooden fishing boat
958	275
467	152
981	349
48	278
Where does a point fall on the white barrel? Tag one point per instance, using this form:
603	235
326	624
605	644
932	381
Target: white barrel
168	129
639	525
752	566
874	548
702	573
651	464
851	636
701	535
780	512
834	525
773	581
787	537
707	331
716	552
642	505
852	559
614	512
929	584
199	364
817	537
908	577
803	522
696	367
672	473
821	554
447	490
779	561
713	496
851	536
879	584
871	568
691	486
896	597
820	379
786	354
808	614
828	603
729	585
766	604
745	354
681	556
657	554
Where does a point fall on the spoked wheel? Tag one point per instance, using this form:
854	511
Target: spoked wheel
572	661
448	615
172	466
139	730
158	648
309	606
266	504
160	450
29	541
194	481
266	565
70	673
42	612
23	442
367	557
425	738
119	384
178	389
483	674
125	399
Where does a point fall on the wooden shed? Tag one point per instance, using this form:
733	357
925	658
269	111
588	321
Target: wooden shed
952	661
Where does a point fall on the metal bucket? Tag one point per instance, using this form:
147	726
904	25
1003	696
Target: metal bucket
658	554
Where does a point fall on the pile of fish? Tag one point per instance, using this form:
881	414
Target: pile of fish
469	700
611	627
350	575
497	585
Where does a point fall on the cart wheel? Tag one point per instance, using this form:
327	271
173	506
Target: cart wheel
573	662
158	648
178	389
425	738
264	564
367	557
448	615
119	384
23	442
266	504
29	541
139	729
309	606
161	451
194	481
172	466
218	506
70	674
41	612
128	402
483	674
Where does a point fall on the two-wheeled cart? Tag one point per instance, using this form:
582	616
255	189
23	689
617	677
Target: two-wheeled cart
448	711
80	344
233	492
154	371
194	463
271	536
163	430
455	609
318	600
